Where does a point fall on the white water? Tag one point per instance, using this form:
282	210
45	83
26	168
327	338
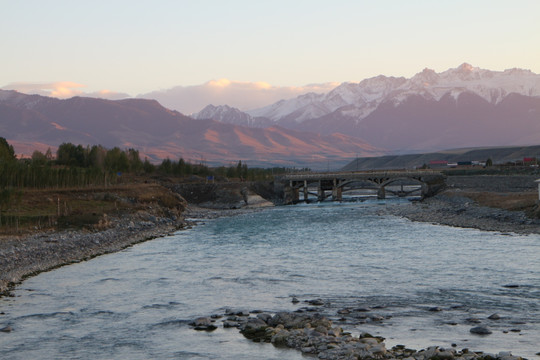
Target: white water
136	304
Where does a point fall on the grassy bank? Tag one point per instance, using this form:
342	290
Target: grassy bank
38	210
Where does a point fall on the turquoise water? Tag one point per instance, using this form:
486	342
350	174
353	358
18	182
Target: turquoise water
136	304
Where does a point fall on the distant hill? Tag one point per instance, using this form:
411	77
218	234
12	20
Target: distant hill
33	122
410	161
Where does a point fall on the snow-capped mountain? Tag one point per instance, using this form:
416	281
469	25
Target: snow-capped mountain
31	122
230	115
358	100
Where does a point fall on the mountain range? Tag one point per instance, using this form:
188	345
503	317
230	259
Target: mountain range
458	108
461	107
32	122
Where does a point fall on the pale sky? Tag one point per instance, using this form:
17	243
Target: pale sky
137	47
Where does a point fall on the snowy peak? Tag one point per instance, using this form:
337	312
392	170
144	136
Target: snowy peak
364	97
230	115
425	78
224	114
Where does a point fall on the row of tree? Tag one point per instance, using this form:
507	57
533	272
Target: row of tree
78	166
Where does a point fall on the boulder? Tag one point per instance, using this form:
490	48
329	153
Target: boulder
480	330
203	324
6	329
255	329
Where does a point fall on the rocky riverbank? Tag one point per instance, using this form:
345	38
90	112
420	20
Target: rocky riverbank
492	203
24	256
315	335
453	209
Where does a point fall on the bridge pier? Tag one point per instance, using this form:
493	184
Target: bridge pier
381	193
320	192
337	191
305	191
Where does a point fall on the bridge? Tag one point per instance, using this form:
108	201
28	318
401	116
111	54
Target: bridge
324	185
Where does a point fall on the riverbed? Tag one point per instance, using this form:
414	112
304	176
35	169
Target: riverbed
137	303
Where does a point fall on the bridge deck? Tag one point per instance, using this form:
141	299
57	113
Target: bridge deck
358	175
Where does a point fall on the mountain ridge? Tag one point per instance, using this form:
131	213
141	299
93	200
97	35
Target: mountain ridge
160	133
453	108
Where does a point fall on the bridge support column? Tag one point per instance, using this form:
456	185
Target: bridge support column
296	195
336	191
305	191
425	190
381	193
320	192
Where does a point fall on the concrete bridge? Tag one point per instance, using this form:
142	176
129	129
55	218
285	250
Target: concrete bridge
399	183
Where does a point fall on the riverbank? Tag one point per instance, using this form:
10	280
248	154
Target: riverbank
137	212
21	257
506	204
85	223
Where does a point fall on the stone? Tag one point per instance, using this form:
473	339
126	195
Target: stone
322	329
264	317
361	309
6	329
230	324
378	350
295	300
316	302
255	329
494	317
480	330
289	320
446	355
435	309
203	324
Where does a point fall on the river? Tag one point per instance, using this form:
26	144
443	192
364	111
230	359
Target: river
137	303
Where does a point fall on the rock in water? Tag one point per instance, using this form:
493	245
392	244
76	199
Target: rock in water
6	329
203	324
480	330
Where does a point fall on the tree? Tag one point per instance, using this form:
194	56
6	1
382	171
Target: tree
166	166
5	199
489	162
7	154
70	155
39	158
116	160
135	163
148	167
96	157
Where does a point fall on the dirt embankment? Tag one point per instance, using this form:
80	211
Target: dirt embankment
227	196
70	225
505	203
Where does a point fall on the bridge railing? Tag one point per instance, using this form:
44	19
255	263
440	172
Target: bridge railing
352	174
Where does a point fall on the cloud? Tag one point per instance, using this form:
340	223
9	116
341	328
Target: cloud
239	94
62	90
186	99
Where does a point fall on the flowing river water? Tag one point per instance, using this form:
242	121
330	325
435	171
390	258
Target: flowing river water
137	303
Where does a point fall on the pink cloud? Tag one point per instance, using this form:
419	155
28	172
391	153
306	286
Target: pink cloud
62	90
242	95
